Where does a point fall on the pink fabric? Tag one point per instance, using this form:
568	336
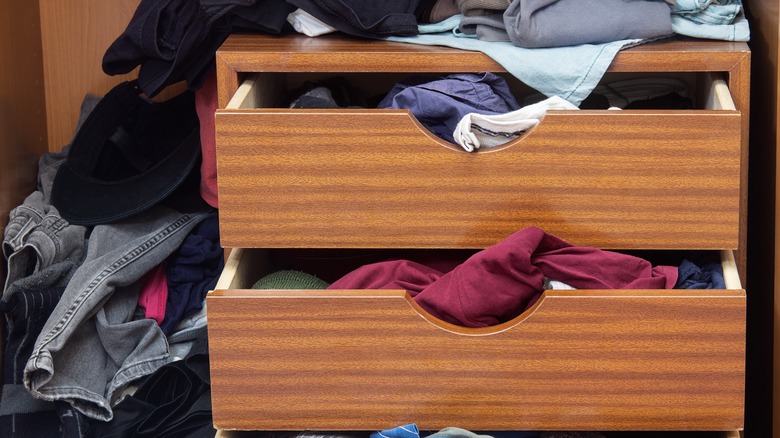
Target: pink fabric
154	293
499	282
206	106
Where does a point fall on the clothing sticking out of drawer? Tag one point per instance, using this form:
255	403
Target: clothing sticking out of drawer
376	178
370	359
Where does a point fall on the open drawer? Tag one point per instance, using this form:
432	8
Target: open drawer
373	359
376	178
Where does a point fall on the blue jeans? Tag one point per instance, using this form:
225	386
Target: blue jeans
721	20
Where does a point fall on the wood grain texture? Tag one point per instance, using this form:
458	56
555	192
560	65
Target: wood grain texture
75	35
739	85
22	109
578	360
376	178
22	112
261	434
366	178
333	53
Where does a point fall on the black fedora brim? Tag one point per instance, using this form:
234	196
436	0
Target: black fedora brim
82	200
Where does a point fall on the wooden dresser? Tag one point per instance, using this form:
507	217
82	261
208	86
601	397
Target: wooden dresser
656	181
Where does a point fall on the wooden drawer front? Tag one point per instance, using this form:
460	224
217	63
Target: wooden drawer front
578	360
376	178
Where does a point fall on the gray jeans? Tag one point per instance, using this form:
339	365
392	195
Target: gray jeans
91	347
36	237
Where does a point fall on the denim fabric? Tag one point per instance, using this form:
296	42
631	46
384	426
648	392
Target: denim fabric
30	301
705	273
181	343
189	327
720	20
440	103
36	236
91	347
540	69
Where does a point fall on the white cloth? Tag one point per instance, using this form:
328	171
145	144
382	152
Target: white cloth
307	24
478	130
550	284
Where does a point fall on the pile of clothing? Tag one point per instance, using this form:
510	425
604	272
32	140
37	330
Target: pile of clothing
175	40
109	262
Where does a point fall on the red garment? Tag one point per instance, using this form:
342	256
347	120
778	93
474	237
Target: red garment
499	282
154	293
206	106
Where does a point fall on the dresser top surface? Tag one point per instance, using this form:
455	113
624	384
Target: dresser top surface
299	53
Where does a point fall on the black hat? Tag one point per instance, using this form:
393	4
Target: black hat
129	154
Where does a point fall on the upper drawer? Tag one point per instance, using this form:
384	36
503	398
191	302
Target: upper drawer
630	179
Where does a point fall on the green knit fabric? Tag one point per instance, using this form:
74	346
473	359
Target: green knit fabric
289	279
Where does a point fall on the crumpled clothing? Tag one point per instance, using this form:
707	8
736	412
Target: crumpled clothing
192	270
364	18
478	130
701	274
498	283
175	40
540	69
440	103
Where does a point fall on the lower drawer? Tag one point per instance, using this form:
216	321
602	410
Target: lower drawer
372	359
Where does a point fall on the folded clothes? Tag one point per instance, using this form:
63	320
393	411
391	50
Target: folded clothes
559	23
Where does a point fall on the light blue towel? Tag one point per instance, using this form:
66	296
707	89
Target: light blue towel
569	72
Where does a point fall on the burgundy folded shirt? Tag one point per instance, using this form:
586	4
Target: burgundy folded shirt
499	282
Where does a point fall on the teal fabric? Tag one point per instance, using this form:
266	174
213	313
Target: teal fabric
540	69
